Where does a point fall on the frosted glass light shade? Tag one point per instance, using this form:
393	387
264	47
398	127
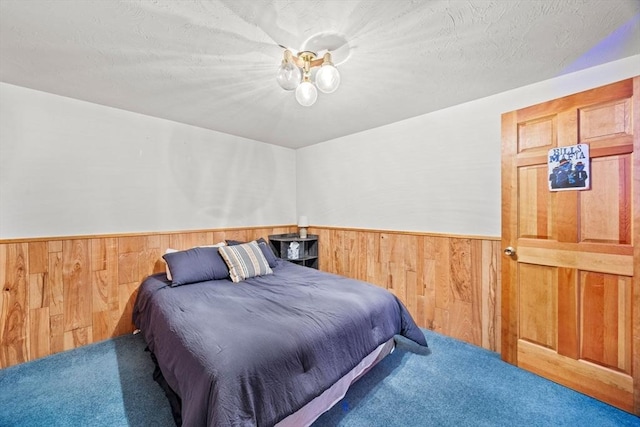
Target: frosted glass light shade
303	221
288	76
327	78
306	94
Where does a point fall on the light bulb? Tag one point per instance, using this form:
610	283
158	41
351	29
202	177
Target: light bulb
288	76
327	78
306	94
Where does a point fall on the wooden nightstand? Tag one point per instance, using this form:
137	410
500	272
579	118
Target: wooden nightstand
307	251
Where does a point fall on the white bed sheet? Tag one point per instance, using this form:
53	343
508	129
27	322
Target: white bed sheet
306	415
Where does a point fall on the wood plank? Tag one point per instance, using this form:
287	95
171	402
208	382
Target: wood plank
410	253
116	317
325	249
590	261
444	289
56	322
475	277
426	315
55	283
190	240
159	247
490	270
38	257
397	280
411	295
127	293
128	244
460	325
352	253
460	269
509	300
76	278
413	273
621	144
372	257
100	252
104	283
40	332
613	146
38	291
101	294
54	245
597	248
338	254
441	321
101	325
182	241
77	338
128	267
361	267
149	262
14	304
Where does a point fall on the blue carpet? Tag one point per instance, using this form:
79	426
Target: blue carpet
453	384
104	384
459	384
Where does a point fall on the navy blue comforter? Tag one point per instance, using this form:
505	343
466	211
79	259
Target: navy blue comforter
251	353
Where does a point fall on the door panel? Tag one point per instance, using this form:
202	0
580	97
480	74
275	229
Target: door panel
538	319
606	120
535	215
571	297
606	320
601	202
568	335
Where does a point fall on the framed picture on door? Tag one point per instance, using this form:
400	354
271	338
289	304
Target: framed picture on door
569	168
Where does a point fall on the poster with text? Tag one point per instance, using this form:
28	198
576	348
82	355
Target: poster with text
569	168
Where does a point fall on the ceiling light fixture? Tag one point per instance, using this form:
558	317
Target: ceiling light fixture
295	74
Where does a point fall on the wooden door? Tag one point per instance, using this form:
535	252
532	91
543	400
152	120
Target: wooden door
571	290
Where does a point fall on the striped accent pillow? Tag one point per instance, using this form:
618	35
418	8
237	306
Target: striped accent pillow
245	261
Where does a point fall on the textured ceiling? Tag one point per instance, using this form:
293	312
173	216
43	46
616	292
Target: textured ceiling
212	63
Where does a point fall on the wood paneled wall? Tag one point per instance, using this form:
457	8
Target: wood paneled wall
62	293
450	284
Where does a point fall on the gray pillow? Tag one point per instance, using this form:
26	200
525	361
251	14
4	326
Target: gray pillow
268	254
245	261
264	247
196	265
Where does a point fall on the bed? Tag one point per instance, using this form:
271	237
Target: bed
269	349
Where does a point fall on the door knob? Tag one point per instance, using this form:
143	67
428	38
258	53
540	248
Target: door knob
509	251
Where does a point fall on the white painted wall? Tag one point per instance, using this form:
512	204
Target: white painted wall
437	173
69	167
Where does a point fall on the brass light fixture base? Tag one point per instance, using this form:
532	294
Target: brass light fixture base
307	60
